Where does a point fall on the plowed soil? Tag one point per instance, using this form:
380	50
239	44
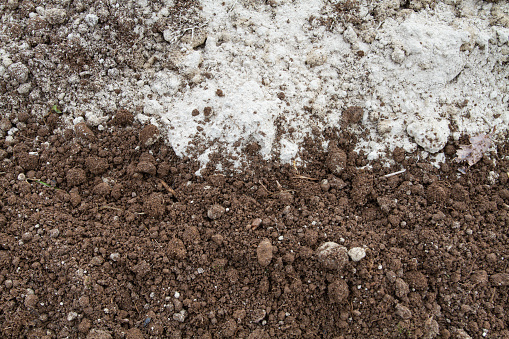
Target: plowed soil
104	237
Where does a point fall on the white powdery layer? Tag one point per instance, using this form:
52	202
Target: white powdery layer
254	54
425	77
434	76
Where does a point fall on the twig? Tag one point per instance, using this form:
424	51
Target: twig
304	177
111	208
168	188
231	7
395	173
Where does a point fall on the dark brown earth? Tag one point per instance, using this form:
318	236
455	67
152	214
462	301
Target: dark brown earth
108	234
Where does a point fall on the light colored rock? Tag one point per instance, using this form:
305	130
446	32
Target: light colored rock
215	211
19	72
403	311
56	16
357	253
332	255
431	134
91	19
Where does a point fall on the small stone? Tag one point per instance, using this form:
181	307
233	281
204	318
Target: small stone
56	16
19	72
84	301
316	58
216	211
357	253
255	224
500	279
97	261
26	237
71	316
83	131
5	124
479	277
264	252
24	88
91	19
403	311
402	288
53	233
115	256
103	189
154	205
31	301
218	239
142	269
75	199
332	255
177	249
325	185
96	165
180	317
431	328
258	315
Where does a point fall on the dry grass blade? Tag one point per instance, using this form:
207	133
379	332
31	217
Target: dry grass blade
168	188
304	177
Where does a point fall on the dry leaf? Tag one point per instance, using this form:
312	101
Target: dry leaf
472	153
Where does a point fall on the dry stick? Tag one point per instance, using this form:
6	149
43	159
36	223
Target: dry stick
168	188
111	208
274	193
395	173
304	177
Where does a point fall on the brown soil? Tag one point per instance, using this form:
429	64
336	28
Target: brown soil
108	234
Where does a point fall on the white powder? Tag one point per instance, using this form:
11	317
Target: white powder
424	77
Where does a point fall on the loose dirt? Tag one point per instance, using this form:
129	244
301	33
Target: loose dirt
104	236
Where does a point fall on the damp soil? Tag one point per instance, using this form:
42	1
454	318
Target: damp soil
108	234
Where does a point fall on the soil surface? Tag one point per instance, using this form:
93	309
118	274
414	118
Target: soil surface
108	234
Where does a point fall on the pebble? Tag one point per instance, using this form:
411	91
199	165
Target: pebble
180	317
115	256
19	72
402	288
91	19
357	253
26	237
264	252
31	300
71	316
332	255
54	233
56	16
403	311
96	261
149	135
83	131
216	211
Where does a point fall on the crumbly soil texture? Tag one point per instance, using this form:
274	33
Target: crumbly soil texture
106	233
102	236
